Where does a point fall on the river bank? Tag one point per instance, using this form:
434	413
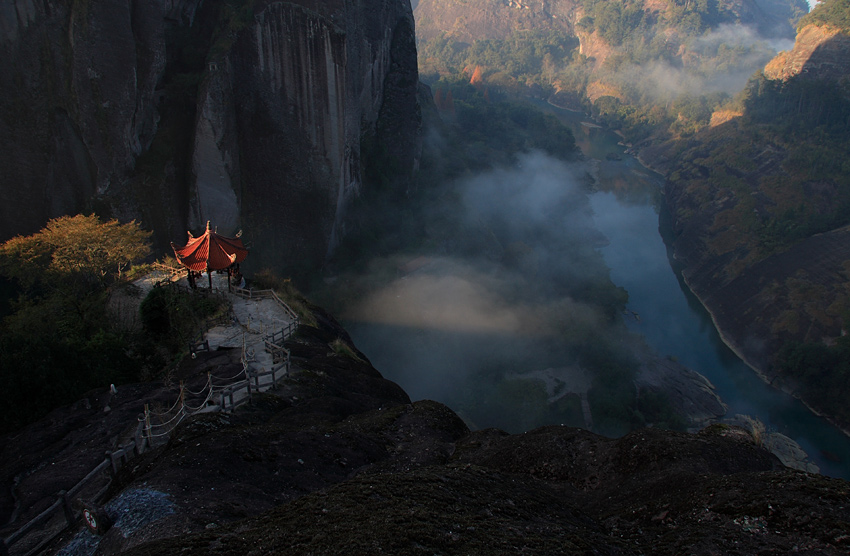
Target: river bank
679	324
770	380
756	360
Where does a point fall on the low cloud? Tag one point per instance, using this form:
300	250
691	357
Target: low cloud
720	61
452	296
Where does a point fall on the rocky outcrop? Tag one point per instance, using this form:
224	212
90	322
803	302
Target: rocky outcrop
338	456
820	52
178	112
689	393
595	47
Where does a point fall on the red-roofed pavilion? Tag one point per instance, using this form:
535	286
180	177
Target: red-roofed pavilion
210	251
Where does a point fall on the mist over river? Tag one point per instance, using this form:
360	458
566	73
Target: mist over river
670	317
451	325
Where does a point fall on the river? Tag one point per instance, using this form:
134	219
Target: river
444	326
669	316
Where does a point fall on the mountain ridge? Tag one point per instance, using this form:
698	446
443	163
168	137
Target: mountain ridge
757	217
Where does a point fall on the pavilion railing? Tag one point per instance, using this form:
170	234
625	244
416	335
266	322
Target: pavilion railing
172	272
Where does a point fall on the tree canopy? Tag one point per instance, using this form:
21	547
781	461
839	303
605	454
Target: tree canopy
829	12
80	247
60	339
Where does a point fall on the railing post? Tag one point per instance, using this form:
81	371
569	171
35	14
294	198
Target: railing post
66	506
148	425
139	448
113	468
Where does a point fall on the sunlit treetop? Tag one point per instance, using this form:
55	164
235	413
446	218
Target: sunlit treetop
75	248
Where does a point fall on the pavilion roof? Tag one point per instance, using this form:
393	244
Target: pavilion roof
210	251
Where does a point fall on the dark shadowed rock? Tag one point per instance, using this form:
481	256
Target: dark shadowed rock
338	458
179	112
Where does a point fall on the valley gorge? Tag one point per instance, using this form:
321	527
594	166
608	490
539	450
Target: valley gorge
304	126
758	213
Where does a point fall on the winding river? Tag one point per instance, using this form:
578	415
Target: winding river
431	321
668	315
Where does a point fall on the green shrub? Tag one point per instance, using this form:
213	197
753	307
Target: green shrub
341	347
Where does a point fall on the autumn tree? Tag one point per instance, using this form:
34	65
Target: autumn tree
74	247
61	339
477	78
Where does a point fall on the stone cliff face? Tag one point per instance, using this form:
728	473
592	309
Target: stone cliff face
78	82
269	140
309	85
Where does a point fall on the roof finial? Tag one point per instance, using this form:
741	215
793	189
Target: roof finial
208	225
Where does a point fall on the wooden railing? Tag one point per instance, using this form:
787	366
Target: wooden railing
172	271
149	433
113	461
229	397
255	294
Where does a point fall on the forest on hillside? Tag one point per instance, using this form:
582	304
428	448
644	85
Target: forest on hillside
665	75
834	12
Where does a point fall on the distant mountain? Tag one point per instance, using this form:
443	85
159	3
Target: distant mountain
601	56
471	20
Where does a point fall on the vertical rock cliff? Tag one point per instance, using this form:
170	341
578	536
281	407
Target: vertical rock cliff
77	82
247	113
